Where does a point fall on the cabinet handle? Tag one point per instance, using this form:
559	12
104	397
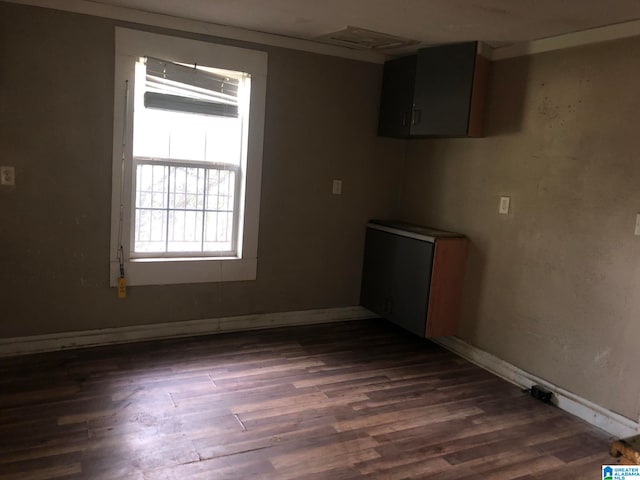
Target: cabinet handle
416	116
405	119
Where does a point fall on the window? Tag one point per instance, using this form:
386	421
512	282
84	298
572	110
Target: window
187	150
188	128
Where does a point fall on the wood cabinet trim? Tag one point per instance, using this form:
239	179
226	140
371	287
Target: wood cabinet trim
447	279
478	96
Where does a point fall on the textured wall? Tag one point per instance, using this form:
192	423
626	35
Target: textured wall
551	287
56	110
554	286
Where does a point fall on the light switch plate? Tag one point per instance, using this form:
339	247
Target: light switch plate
637	230
7	176
337	187
504	205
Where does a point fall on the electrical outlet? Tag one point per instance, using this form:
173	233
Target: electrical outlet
7	176
637	230
504	205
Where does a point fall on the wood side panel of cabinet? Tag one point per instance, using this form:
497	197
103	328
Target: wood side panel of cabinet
447	279
478	96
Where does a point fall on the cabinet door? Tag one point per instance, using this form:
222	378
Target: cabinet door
412	265
377	273
442	92
397	97
396	278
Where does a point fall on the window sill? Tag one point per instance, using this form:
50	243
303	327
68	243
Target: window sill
172	271
179	259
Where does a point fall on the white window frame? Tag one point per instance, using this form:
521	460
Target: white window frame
130	46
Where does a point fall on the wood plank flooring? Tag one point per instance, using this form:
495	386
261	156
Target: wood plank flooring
341	401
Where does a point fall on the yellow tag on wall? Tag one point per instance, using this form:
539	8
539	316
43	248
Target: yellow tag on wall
122	287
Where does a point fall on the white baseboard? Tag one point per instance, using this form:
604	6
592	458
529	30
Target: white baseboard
91	338
611	422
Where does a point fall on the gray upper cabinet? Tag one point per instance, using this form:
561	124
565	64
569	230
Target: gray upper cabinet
439	92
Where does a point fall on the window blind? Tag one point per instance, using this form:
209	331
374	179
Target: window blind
171	86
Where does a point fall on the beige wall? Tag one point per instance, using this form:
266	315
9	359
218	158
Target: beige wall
551	287
56	104
554	287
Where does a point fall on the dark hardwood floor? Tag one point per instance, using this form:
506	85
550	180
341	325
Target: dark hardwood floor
339	401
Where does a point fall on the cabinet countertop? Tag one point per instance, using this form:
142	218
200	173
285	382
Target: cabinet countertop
418	232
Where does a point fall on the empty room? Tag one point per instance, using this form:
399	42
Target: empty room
286	239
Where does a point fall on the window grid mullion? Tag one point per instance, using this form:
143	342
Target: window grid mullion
166	239
236	209
215	237
204	204
229	190
195	224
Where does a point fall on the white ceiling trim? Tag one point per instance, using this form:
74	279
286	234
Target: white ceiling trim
195	26
585	37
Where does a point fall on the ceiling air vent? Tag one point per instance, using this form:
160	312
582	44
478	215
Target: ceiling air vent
361	38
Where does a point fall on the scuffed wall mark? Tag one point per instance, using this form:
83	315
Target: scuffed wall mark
532	334
602	355
491	9
547	109
79	256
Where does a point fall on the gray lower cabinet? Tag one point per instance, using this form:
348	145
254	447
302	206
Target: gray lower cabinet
397	277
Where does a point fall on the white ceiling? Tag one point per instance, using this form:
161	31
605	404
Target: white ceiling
497	22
